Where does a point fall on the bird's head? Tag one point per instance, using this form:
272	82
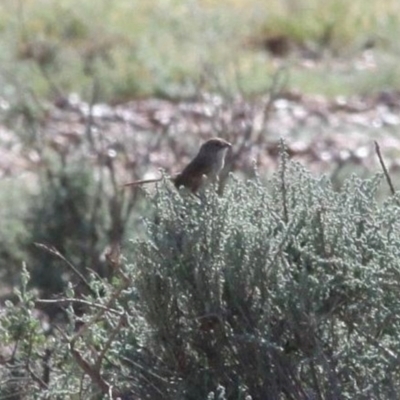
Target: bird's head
214	146
213	151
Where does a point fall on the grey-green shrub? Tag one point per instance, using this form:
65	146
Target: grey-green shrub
68	214
287	290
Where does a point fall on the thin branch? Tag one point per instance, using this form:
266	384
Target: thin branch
89	116
46	366
101	312
145	181
55	252
33	375
385	171
279	82
79	301
87	368
283	180
116	330
43	385
142	182
314	378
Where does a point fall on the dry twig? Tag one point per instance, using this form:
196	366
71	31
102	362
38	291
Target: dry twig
385	171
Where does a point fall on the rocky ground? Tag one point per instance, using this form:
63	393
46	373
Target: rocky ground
141	136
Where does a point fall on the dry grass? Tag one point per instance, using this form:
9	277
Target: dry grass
137	48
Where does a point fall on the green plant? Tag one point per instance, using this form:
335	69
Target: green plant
280	291
139	49
262	289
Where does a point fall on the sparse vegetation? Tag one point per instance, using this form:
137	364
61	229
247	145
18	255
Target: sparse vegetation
285	291
139	48
282	288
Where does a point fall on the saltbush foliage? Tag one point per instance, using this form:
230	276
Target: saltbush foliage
67	216
284	290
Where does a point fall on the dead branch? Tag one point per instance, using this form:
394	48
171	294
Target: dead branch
385	171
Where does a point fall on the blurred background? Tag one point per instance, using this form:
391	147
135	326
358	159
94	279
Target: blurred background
97	93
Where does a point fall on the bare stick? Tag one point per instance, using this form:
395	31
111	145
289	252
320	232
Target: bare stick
145	181
283	181
106	347
385	171
78	301
55	252
141	182
103	310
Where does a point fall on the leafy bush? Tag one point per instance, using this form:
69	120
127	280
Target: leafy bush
74	225
13	231
75	213
283	291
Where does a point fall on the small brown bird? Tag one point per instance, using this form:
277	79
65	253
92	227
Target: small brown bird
206	166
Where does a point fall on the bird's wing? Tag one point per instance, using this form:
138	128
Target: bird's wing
198	167
193	173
